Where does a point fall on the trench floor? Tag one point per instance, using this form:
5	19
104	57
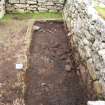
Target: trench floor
51	78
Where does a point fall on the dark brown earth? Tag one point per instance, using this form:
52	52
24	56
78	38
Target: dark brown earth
49	81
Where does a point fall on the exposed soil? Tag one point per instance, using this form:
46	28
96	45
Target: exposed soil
51	78
12	46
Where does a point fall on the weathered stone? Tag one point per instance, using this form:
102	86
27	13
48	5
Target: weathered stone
34	5
102	53
2	8
88	37
70	34
102	46
103	74
43	84
85	41
49	3
91	69
32	2
42	1
42	9
67	67
13	1
36	28
20	6
88	51
22	1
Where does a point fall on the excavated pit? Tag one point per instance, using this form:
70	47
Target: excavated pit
51	78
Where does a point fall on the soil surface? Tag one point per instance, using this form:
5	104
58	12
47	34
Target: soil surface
12	46
51	78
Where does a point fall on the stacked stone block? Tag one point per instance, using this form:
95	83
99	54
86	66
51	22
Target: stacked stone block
34	5
87	31
2	8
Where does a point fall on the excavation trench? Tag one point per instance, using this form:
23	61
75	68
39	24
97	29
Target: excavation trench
51	78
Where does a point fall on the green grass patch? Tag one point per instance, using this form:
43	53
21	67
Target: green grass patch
36	16
101	11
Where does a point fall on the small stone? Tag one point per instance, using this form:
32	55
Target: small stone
36	28
43	84
68	68
70	33
101	52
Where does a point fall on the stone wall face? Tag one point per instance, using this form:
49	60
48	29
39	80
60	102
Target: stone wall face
34	5
87	34
2	8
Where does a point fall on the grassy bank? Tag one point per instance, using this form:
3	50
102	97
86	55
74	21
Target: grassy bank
36	16
101	11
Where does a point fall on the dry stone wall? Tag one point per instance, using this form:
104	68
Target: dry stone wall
87	31
34	5
2	8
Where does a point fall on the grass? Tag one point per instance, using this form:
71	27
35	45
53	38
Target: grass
36	16
101	11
